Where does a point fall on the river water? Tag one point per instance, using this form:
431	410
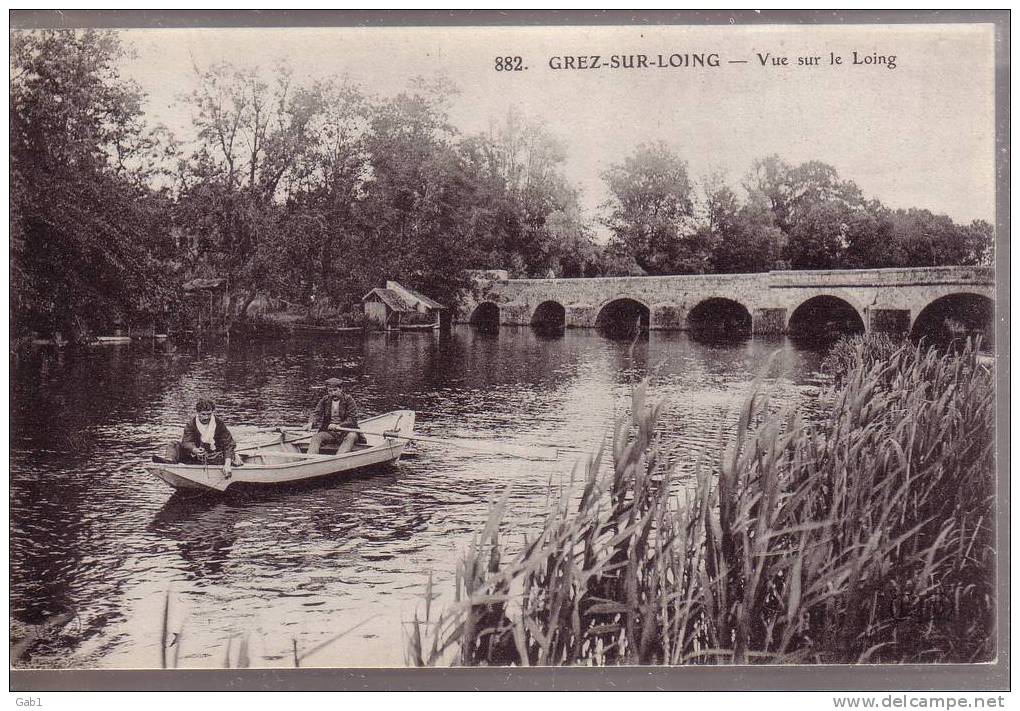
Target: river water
95	537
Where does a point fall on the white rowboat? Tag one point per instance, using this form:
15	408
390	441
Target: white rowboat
286	461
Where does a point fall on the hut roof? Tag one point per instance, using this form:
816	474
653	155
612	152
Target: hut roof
422	298
204	284
390	298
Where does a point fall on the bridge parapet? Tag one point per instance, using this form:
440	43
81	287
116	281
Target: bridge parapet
884	299
914	276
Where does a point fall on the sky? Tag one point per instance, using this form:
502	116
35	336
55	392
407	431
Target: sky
917	135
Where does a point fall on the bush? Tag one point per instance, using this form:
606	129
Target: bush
866	538
866	349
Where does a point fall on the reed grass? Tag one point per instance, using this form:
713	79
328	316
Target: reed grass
858	350
866	536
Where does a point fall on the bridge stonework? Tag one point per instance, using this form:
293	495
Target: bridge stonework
884	299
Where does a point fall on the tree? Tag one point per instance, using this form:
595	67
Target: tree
617	261
926	239
251	136
417	215
871	243
519	167
791	192
322	222
819	237
821	216
741	238
87	236
651	210
980	237
574	252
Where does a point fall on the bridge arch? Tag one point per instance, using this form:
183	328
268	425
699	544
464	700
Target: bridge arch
719	316
954	317
486	316
825	317
549	315
618	317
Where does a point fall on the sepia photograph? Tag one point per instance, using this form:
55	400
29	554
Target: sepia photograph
387	341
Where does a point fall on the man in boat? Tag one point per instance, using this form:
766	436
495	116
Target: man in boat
207	440
334	411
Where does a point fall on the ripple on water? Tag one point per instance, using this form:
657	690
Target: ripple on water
93	534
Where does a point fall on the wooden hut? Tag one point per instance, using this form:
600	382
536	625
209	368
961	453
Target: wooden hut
204	300
397	307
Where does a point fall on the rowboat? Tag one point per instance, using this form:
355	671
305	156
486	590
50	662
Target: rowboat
287	460
307	328
419	327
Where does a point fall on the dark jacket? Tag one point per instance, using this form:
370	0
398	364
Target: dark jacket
191	443
322	415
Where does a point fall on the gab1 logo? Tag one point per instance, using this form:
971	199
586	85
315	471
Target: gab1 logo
28	701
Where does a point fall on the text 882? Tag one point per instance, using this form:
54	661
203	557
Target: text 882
509	64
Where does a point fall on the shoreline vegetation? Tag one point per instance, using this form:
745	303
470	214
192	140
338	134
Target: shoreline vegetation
315	192
865	537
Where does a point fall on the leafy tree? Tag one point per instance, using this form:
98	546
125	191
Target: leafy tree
519	164
87	236
651	210
575	251
825	220
417	217
926	239
617	261
980	237
250	137
819	237
871	242
742	238
791	192
767	186
322	226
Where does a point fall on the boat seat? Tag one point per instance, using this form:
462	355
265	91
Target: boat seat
332	449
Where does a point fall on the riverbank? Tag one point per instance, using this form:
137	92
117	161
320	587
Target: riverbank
865	537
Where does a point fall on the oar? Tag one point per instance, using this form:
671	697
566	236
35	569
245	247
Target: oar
284	435
539	453
294	455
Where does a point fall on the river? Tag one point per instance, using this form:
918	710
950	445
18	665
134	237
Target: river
94	536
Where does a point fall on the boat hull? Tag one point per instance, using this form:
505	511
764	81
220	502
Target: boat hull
273	463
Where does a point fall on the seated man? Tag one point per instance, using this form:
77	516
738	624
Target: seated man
335	410
207	440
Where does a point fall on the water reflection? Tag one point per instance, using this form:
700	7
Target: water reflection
203	529
92	534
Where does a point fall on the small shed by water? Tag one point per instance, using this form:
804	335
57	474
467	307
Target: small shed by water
204	300
397	307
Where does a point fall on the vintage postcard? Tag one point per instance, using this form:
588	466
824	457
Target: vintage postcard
382	341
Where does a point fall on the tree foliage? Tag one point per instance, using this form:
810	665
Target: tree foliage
651	208
528	213
316	192
251	135
88	238
791	216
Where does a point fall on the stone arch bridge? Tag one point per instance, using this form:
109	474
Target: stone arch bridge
889	300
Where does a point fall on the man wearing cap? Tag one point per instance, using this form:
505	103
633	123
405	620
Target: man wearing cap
335	410
207	440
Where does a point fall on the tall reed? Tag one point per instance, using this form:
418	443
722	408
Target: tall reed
866	537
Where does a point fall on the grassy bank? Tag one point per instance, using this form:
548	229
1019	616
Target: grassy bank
864	537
